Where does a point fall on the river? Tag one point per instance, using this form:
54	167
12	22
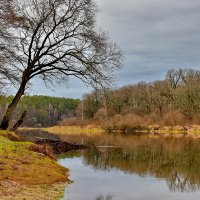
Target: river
123	167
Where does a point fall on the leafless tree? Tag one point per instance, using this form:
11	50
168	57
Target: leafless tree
6	77
56	39
7	19
101	197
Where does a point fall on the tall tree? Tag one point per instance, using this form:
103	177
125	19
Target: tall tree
56	39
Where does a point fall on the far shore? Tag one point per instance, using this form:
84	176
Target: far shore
151	130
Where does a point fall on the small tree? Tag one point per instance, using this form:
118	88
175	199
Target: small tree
56	39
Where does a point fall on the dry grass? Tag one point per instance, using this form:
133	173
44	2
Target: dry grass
74	130
17	191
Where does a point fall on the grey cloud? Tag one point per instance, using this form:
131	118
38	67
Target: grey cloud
155	35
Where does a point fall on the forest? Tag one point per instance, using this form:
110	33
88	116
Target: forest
172	101
41	110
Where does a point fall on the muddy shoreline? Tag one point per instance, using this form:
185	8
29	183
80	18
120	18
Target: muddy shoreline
46	139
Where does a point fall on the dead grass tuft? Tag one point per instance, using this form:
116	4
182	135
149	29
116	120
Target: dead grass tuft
43	149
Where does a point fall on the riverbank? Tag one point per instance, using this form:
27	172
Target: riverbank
26	174
151	130
157	130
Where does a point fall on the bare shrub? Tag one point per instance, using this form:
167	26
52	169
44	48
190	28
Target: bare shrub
196	119
152	118
174	118
126	121
72	121
100	114
130	121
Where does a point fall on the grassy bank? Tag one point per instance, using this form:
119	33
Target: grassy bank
25	174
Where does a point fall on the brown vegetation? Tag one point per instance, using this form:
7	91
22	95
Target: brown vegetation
43	149
174	101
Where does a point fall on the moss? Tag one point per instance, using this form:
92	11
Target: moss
9	135
20	165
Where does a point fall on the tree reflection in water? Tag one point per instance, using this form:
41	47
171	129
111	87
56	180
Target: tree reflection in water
177	160
176	182
101	197
177	163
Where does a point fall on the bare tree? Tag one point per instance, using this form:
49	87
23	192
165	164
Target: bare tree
56	39
7	19
6	77
101	197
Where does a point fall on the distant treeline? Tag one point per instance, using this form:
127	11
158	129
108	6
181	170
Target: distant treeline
172	101
41	110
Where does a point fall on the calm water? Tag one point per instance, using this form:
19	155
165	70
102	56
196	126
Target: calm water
133	168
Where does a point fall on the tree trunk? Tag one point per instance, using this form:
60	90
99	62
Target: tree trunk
19	122
9	112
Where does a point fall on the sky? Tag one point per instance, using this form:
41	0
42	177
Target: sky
154	35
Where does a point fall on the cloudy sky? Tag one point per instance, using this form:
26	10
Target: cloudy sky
154	35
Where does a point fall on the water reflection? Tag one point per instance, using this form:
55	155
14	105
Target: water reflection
101	197
177	161
179	169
